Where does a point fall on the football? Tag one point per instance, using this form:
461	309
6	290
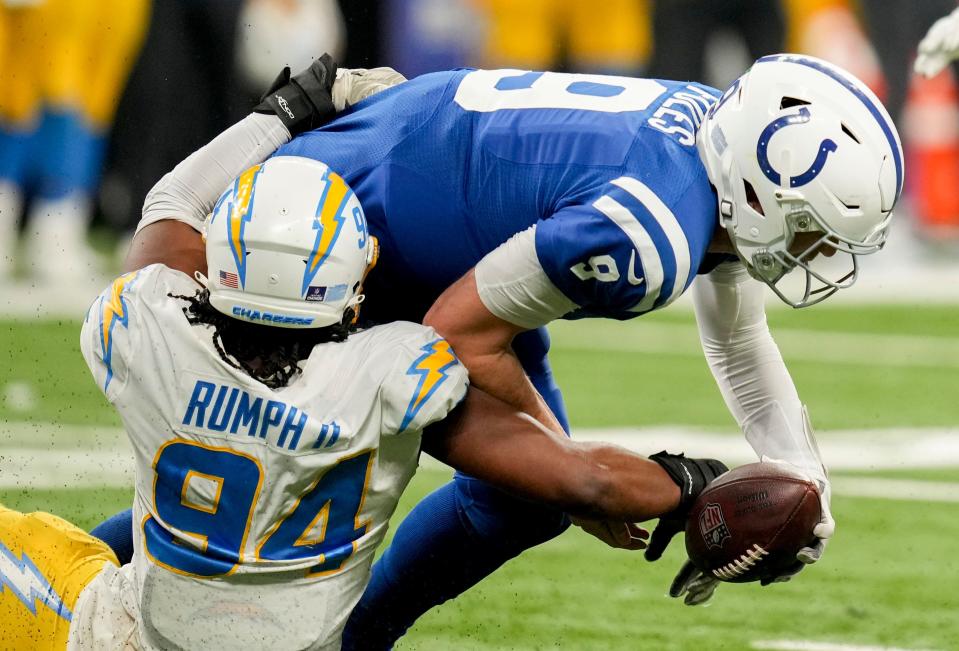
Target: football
750	522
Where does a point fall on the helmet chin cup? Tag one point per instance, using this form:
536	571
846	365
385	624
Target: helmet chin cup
766	267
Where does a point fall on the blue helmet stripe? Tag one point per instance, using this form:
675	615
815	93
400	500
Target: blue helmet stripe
869	104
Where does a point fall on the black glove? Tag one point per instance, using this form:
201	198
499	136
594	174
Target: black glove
303	101
692	476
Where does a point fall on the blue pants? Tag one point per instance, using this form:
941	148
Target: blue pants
58	156
456	536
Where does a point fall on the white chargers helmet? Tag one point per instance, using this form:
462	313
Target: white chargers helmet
797	145
287	245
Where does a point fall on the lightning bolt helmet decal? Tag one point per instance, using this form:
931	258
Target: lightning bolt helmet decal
327	222
241	211
288	246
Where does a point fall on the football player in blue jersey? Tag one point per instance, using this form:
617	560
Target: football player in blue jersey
506	199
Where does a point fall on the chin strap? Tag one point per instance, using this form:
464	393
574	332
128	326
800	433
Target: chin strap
372	257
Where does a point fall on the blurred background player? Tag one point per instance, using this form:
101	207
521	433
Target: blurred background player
195	75
231	49
928	111
418	36
940	46
606	36
684	30
63	66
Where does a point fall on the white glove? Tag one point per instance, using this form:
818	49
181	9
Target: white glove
826	527
939	46
694	584
823	531
356	84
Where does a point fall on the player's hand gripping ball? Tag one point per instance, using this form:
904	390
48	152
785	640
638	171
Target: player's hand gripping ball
750	522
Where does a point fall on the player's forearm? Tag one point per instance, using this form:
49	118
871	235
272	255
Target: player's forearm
587	480
634	488
189	192
500	374
761	395
171	243
483	343
598	481
749	369
488	439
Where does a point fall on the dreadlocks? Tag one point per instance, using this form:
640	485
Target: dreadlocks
268	354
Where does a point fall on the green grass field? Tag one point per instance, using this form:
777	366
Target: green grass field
888	578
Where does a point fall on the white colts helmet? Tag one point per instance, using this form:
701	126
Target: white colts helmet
797	145
287	245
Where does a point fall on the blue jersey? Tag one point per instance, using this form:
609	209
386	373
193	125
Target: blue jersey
450	165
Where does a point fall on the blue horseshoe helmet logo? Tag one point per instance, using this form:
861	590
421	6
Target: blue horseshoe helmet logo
826	147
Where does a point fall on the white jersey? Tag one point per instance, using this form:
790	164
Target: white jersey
257	511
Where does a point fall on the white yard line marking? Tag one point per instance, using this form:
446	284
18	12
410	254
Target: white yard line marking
799	345
884	449
42	455
31	469
47	436
48	455
896	489
809	645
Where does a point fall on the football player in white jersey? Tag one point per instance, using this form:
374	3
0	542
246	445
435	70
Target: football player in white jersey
272	442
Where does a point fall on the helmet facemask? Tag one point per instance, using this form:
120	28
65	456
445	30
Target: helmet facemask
826	261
